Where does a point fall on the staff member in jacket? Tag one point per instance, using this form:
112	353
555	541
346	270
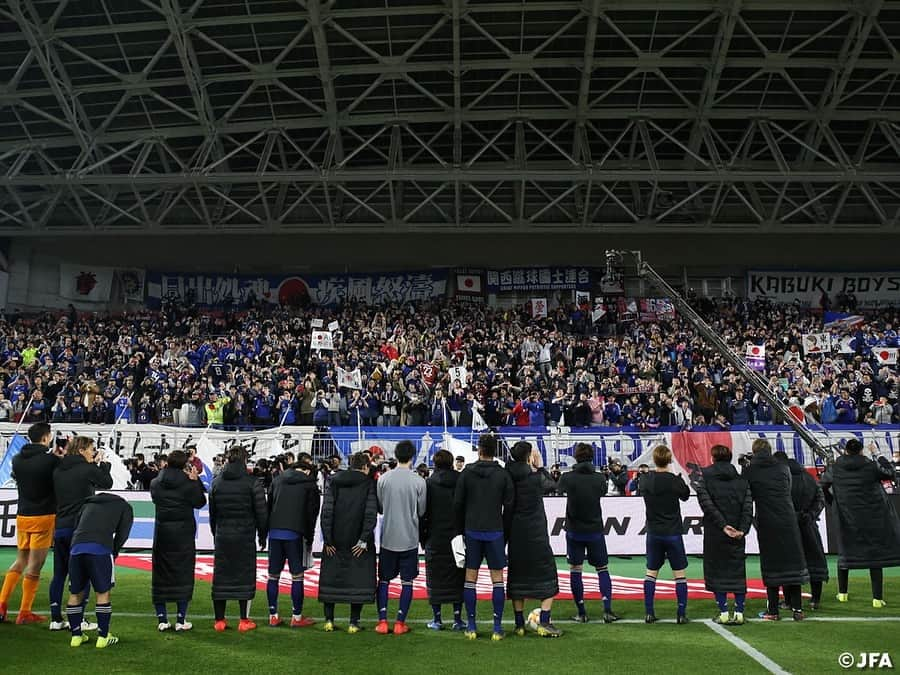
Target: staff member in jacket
809	501
80	473
868	525
402	497
237	515
661	490
443	579
585	537
727	517
349	514
781	557
532	567
176	492
483	493
293	510
32	470
101	530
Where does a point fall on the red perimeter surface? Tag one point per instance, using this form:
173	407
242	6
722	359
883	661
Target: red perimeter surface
623	587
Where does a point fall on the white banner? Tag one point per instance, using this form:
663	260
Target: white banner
316	323
349	379
85	283
784	286
458	373
538	308
333	326
131	281
624	522
816	343
321	339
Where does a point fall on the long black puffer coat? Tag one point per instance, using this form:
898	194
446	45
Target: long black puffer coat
349	514
237	517
809	501
781	557
725	499
868	525
174	552
532	567
442	577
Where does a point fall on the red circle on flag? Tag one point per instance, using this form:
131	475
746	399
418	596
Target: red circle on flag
468	283
884	356
756	350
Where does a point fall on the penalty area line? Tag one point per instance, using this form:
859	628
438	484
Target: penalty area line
745	647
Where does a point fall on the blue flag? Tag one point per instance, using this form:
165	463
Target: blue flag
15	445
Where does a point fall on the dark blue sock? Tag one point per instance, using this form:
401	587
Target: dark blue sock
75	615
576	583
722	601
104	615
382	600
182	611
470	598
649	592
520	618
545	616
406	595
605	588
498	597
272	595
739	599
681	593
297	595
457	612
57	585
162	614
436	610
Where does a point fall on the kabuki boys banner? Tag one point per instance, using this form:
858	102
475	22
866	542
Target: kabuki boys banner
869	288
235	290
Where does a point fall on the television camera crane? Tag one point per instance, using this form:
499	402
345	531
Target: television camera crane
759	385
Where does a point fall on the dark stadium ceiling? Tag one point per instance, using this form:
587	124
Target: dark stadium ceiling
217	116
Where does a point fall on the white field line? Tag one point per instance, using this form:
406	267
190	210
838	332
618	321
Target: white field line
745	647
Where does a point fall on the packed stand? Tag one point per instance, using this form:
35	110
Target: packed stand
257	369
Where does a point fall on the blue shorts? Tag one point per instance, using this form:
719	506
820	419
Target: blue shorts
593	549
404	564
96	570
661	548
281	550
479	549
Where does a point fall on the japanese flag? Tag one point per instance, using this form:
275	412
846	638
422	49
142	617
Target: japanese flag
321	339
886	356
350	379
468	283
538	308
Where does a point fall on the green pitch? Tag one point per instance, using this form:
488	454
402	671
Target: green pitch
809	647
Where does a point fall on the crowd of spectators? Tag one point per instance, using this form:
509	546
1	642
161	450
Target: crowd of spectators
258	369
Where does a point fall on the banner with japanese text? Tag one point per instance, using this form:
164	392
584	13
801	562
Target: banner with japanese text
539	279
236	290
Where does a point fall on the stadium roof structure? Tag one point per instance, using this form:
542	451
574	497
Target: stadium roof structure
279	116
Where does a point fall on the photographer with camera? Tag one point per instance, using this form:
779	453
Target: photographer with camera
617	474
79	475
176	492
